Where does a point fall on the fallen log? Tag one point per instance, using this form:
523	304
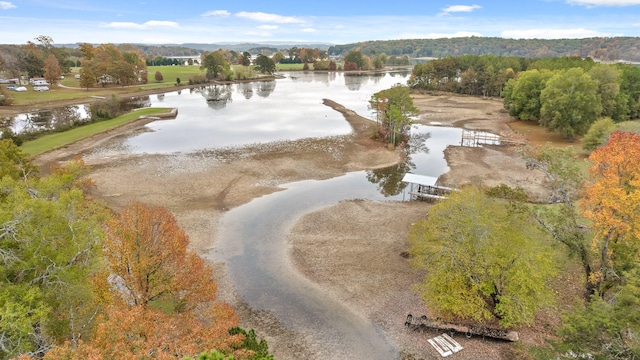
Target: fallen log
423	323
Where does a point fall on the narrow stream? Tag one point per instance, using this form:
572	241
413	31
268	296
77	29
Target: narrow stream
253	245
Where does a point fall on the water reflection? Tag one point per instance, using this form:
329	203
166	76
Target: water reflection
46	119
217	96
246	89
265	88
61	117
389	179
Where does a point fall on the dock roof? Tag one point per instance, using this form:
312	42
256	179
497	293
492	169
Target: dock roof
419	179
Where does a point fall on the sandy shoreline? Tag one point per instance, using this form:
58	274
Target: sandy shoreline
359	262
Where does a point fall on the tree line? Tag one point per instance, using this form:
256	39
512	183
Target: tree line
601	48
566	95
80	281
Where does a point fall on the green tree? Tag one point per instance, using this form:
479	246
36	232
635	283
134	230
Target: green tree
483	259
215	64
606	329
394	108
355	57
31	61
245	59
265	64
15	163
607	79
49	236
570	103
522	94
598	133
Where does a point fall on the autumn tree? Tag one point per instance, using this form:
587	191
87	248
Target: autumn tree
570	103
484	260
160	298
52	70
612	203
158	76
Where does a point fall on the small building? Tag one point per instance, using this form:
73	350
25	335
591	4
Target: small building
423	187
38	82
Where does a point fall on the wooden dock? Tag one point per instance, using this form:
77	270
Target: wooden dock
478	138
423	187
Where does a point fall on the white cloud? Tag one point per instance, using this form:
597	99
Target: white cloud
5	5
459	8
272	18
308	30
268	27
552	34
147	25
217	13
153	23
593	3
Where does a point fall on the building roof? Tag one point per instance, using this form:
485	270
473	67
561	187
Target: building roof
419	179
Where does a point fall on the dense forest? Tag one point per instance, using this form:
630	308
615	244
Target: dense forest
605	49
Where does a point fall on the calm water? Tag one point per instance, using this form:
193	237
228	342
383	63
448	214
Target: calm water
235	115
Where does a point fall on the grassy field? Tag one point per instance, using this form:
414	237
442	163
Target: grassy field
56	140
290	67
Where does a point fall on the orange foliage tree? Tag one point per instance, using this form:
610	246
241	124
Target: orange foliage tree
612	203
160	298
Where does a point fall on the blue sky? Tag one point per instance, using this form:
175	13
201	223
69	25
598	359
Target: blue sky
329	21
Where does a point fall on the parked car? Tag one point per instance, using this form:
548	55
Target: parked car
77	76
41	88
11	87
21	88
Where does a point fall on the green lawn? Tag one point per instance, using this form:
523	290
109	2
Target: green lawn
291	67
56	140
171	73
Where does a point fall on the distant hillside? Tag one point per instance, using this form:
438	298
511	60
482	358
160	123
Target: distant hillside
605	49
196	48
247	46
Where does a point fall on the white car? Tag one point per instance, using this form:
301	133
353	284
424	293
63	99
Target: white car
41	88
20	89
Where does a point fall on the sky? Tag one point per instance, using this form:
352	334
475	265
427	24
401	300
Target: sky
311	21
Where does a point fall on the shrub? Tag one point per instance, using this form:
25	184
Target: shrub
598	133
158	76
104	110
198	79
